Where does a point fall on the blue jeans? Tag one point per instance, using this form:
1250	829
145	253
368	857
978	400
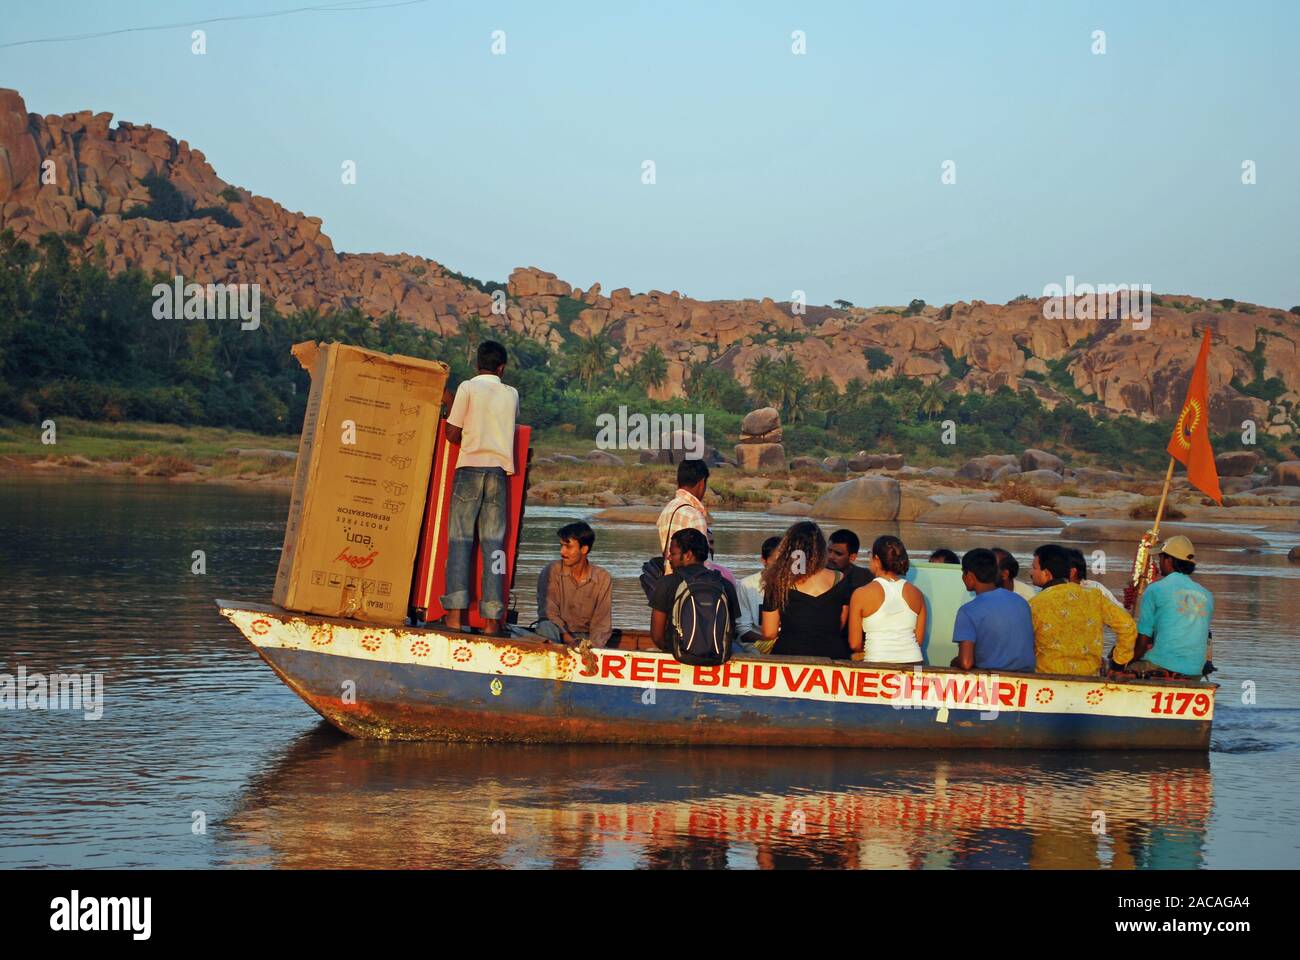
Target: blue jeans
478	497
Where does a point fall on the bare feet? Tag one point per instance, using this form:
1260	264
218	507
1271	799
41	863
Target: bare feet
454	619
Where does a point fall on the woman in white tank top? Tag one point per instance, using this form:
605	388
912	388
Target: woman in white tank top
887	616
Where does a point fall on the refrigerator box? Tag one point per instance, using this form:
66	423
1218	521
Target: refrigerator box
364	462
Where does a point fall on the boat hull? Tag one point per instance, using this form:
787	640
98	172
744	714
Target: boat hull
423	684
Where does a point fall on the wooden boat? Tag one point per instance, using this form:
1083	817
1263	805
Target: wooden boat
413	683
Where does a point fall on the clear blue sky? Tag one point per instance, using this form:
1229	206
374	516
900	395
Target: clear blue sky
775	172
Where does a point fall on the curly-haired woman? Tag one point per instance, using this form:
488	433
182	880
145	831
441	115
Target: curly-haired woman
805	603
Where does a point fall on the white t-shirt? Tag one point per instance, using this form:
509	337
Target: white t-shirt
1102	589
1022	589
486	409
749	594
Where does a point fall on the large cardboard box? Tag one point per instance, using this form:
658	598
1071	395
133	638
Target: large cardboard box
363	473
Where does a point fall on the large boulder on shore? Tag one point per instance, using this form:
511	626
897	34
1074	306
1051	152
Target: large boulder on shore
1049	479
806	463
997	514
755	457
1287	474
1238	463
1033	459
1122	531
760	421
863	498
1094	478
983	468
913	505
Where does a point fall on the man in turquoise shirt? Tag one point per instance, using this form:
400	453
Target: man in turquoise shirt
1174	624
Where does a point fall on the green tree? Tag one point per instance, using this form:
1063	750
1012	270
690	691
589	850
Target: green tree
855	392
878	359
933	400
764	380
474	331
651	369
792	388
590	357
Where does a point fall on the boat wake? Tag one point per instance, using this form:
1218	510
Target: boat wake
1249	729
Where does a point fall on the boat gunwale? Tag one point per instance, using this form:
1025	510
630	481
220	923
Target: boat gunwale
542	645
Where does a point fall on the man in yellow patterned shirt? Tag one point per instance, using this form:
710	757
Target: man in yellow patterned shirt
1068	619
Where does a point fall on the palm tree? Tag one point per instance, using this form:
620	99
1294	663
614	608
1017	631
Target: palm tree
590	357
932	401
764	381
855	393
792	388
475	331
825	396
651	370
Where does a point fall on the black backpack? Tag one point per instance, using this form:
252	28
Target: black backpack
701	620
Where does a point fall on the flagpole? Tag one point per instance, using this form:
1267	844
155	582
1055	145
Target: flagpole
1164	496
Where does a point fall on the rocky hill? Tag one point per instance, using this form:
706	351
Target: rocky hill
78	172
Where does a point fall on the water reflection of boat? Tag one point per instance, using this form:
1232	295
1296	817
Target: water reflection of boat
424	684
330	801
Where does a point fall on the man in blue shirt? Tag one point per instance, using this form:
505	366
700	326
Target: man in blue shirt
1174	623
994	631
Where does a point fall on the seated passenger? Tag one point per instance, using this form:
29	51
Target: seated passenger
1079	575
887	616
1068	619
750	593
944	555
1008	570
993	631
573	594
687	550
804	601
1175	617
842	554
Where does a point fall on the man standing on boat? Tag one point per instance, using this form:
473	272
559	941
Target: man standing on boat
482	424
1068	619
686	509
1174	623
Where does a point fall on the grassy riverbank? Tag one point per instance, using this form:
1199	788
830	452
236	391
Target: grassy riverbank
149	450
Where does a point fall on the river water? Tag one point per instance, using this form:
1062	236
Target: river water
203	758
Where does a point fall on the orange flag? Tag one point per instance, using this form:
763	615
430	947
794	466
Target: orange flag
1190	444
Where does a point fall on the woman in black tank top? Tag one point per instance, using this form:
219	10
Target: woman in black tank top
804	624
